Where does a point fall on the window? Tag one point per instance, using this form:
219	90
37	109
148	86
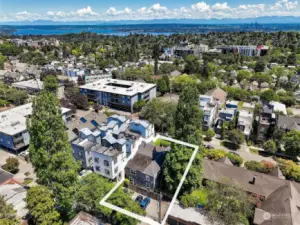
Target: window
116	169
96	160
107	172
106	163
131	180
133	172
147	185
97	168
147	178
80	154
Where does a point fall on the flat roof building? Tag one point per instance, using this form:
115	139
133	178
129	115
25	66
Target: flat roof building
119	94
13	130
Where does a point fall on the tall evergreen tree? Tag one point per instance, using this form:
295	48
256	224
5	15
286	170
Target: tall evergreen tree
50	152
188	117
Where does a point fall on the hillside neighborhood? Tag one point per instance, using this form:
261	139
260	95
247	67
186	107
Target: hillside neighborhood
78	117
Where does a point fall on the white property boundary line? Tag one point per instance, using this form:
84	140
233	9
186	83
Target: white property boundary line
144	219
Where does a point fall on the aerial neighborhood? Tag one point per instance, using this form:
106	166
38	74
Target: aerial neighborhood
184	129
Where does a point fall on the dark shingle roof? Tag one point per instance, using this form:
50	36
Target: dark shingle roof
264	184
290	123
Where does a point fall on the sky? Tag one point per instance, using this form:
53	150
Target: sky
110	10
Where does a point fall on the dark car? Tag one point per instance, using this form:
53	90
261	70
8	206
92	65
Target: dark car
209	147
145	203
139	198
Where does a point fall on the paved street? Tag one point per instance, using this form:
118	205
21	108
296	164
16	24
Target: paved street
23	167
244	151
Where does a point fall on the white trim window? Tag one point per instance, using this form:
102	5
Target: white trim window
133	172
147	178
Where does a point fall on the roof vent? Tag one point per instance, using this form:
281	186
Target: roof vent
15	123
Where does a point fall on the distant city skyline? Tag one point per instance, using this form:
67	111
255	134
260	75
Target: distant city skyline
91	10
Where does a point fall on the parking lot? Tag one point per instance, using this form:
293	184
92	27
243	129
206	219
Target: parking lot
152	208
23	167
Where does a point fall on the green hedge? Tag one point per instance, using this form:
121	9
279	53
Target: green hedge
161	142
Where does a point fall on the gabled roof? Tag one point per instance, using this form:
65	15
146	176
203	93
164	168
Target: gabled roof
282	207
290	123
217	93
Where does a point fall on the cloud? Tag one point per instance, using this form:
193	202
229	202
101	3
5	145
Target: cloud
198	10
85	11
200	7
220	6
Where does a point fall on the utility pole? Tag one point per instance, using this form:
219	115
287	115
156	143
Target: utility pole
159	207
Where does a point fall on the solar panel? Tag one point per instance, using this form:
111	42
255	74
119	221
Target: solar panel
94	122
83	119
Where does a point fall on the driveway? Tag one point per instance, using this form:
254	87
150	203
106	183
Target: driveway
23	167
152	209
244	151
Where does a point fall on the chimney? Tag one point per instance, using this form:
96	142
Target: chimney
253	180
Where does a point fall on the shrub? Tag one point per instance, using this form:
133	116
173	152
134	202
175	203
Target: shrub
262	167
12	165
235	159
269	146
290	170
209	134
126	183
187	200
163	143
215	154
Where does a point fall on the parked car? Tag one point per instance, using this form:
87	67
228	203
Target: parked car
145	203
139	199
209	147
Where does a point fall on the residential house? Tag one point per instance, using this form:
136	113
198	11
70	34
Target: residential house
249	107
267	118
143	170
279	107
288	123
245	121
282	207
227	114
219	96
232	104
83	218
210	110
186	216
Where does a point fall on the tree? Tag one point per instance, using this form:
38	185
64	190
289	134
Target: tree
50	151
7	213
160	113
269	95
93	188
180	82
174	166
50	84
236	137
209	134
41	206
292	59
269	146
228	203
167	80
137	106
260	66
188	116
11	165
81	101
162	86
292	143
